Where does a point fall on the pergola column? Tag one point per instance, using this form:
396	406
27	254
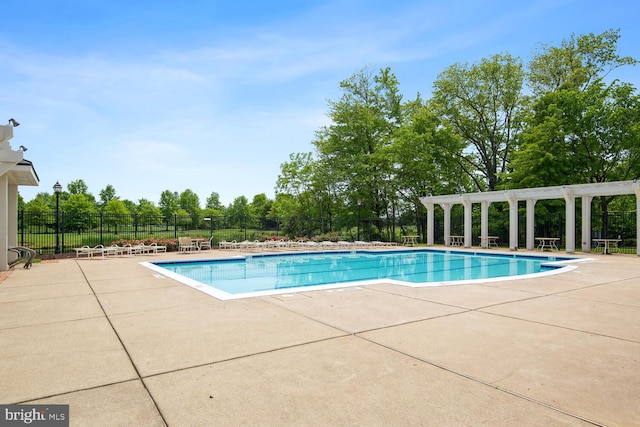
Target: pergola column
446	207
586	223
570	229
4	222
636	190
513	223
430	223
531	224
484	224
467	223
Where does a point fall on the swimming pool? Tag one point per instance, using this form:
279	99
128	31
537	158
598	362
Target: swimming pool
269	274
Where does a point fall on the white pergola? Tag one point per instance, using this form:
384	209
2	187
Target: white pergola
14	171
530	195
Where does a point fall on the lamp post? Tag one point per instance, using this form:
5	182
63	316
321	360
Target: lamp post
359	204
57	188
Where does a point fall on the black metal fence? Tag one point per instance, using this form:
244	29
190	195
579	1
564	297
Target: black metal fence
49	234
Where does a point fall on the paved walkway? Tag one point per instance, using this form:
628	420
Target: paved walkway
126	347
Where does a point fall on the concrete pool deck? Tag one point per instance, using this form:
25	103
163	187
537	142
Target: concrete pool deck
124	346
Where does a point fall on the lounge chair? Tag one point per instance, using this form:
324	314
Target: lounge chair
83	250
297	244
311	245
248	245
90	252
119	250
153	248
129	249
282	244
159	248
185	244
379	243
206	244
227	245
328	244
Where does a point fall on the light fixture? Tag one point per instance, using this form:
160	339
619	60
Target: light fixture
57	188
13	122
23	148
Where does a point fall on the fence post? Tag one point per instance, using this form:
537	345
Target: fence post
101	235
175	226
22	227
62	232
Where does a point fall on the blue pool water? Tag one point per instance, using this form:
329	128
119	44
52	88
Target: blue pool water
253	275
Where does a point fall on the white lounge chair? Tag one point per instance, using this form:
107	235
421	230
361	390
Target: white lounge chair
327	244
185	244
206	244
90	252
311	245
282	244
379	243
154	248
84	250
129	249
343	244
227	245
119	250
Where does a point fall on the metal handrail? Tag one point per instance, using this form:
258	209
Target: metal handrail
24	254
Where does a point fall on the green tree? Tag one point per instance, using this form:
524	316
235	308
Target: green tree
284	206
115	214
183	218
213	205
363	121
261	205
106	195
576	63
483	103
240	212
190	202
80	213
131	207
577	137
78	187
39	210
41	203
214	210
580	129
286	209
423	156
168	205
296	178
148	213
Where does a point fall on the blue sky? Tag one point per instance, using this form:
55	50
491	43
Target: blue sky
214	95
